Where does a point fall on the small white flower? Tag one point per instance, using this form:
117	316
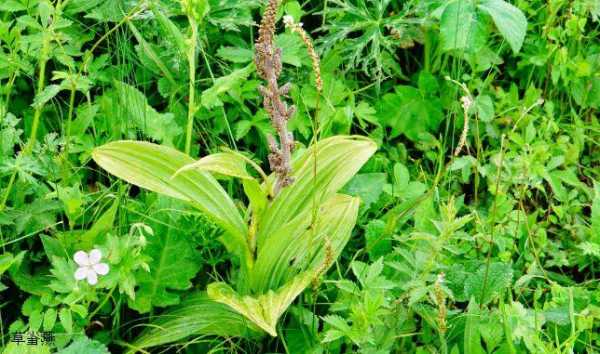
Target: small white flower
288	20
89	266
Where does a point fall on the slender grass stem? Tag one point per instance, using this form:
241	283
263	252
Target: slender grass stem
69	120
191	55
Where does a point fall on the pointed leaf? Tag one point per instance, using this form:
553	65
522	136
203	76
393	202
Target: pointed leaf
264	310
510	21
337	160
102	225
460	26
152	166
196	315
225	163
296	248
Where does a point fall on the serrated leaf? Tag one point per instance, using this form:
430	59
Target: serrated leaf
66	319
12	6
510	21
161	127
174	262
35	320
210	96
84	345
472	337
49	319
48	93
487	283
63	271
367	186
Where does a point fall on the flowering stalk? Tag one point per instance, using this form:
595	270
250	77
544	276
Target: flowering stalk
316	63
268	65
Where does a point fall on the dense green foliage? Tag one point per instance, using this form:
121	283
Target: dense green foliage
465	219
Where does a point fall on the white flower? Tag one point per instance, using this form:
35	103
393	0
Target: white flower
289	21
89	266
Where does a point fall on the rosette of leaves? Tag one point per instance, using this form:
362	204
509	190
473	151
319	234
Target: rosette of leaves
283	242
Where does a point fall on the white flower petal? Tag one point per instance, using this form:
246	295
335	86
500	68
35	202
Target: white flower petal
95	256
287	19
81	258
92	278
81	273
100	268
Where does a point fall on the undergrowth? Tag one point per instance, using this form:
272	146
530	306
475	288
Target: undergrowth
351	176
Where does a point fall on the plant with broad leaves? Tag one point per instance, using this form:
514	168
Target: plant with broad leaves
462	24
282	243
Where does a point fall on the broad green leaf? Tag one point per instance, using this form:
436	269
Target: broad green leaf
460	26
263	310
197	315
161	127
210	97
48	93
226	163
367	186
472	337
174	262
152	166
12	6
419	113
49	319
510	21
378	240
85	345
296	248
337	160
488	282
26	279
7	260
235	54
66	319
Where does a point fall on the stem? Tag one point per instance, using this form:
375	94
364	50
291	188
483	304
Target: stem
192	79
8	189
9	86
40	88
102	303
69	120
493	221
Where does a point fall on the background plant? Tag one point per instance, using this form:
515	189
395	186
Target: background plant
494	250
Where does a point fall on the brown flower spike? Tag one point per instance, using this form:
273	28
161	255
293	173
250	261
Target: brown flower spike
268	65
